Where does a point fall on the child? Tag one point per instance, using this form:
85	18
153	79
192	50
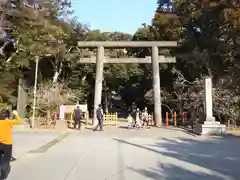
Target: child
130	121
145	118
6	141
138	119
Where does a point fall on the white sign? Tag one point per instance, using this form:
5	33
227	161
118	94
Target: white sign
62	112
83	107
70	108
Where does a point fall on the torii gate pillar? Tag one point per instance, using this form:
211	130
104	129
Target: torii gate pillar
156	87
98	81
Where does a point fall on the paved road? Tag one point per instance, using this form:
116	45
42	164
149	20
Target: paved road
27	141
155	154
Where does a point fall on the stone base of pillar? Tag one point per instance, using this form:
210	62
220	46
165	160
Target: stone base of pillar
210	127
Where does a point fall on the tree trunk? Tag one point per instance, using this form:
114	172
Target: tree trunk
57	73
48	116
106	102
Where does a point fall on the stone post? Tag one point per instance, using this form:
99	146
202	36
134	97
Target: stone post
156	87
210	126
98	81
208	100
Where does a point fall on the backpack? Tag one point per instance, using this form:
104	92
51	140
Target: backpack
77	114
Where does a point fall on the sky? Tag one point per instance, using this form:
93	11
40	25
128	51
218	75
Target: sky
112	15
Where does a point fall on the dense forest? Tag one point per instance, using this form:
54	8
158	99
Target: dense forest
208	35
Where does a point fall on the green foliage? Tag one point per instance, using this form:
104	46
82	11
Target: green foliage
38	32
3	105
208	36
207	32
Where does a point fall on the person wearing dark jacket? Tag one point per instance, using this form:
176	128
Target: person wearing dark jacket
77	115
100	117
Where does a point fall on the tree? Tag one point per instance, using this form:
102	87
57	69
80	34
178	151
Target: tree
210	38
6	46
50	96
208	43
38	30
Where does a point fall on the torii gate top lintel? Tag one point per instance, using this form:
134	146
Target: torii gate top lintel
126	44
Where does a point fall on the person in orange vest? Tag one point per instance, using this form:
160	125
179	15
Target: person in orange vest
6	141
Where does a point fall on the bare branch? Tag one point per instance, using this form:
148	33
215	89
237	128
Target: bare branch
181	79
50	96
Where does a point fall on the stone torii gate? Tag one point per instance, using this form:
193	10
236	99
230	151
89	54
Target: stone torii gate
155	59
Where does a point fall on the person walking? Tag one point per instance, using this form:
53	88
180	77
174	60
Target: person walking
100	117
145	118
77	115
138	118
54	119
6	141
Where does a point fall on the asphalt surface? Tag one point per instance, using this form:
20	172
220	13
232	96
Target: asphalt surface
122	154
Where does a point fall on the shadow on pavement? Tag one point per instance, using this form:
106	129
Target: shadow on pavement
215	159
13	159
123	127
89	128
181	129
172	172
170	128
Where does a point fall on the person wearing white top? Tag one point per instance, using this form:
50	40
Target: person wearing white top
138	120
145	117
